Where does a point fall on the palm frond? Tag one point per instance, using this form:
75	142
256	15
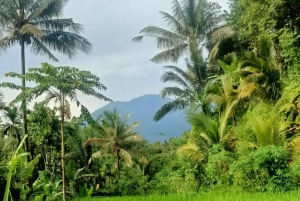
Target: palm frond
134	138
60	25
269	131
66	42
171	54
127	157
95	141
37	47
45	8
174	91
170	76
168	107
31	30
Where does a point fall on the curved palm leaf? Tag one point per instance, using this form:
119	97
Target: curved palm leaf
190	23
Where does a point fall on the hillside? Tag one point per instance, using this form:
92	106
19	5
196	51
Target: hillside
142	109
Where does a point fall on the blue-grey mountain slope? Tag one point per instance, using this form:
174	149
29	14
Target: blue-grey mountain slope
142	109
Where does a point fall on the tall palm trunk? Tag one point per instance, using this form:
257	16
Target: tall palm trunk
27	149
62	112
117	154
196	58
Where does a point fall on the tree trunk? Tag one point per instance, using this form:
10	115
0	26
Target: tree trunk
196	58
118	163
24	115
63	147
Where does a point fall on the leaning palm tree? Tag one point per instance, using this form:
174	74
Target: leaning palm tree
37	24
227	98
119	139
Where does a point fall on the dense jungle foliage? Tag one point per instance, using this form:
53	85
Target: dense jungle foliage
242	102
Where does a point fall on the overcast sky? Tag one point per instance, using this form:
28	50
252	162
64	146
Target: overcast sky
123	66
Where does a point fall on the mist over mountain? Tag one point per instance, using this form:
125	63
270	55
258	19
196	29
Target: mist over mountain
142	109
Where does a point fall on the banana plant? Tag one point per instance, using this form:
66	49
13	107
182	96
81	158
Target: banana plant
19	168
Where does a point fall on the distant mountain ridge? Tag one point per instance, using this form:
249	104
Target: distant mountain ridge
142	109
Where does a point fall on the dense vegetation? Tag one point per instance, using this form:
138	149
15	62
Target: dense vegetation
242	102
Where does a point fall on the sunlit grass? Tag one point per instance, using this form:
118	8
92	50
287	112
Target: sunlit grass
212	196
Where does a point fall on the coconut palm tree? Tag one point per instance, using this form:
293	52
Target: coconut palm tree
118	139
190	24
37	24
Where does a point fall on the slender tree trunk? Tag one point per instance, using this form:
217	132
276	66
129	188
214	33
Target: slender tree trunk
117	154
18	137
196	59
63	147
24	115
118	165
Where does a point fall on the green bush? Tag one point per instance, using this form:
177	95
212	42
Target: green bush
265	169
218	165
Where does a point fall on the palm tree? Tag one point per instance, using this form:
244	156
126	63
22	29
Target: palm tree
12	122
119	139
261	67
190	24
187	92
60	84
37	23
204	134
270	131
227	98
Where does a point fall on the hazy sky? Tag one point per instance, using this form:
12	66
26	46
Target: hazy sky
123	66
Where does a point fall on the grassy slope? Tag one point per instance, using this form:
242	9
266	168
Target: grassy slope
292	196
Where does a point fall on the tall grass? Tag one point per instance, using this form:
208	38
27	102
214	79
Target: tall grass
211	196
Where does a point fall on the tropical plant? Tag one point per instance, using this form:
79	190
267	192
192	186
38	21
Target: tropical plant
262	69
223	41
190	24
19	170
187	92
270	131
204	134
60	84
12	120
119	139
74	175
45	189
226	97
37	23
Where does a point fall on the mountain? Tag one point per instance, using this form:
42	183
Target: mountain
142	109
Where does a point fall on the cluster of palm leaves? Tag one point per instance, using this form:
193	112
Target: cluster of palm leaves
118	139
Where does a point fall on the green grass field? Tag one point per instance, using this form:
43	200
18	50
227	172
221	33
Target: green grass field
292	196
